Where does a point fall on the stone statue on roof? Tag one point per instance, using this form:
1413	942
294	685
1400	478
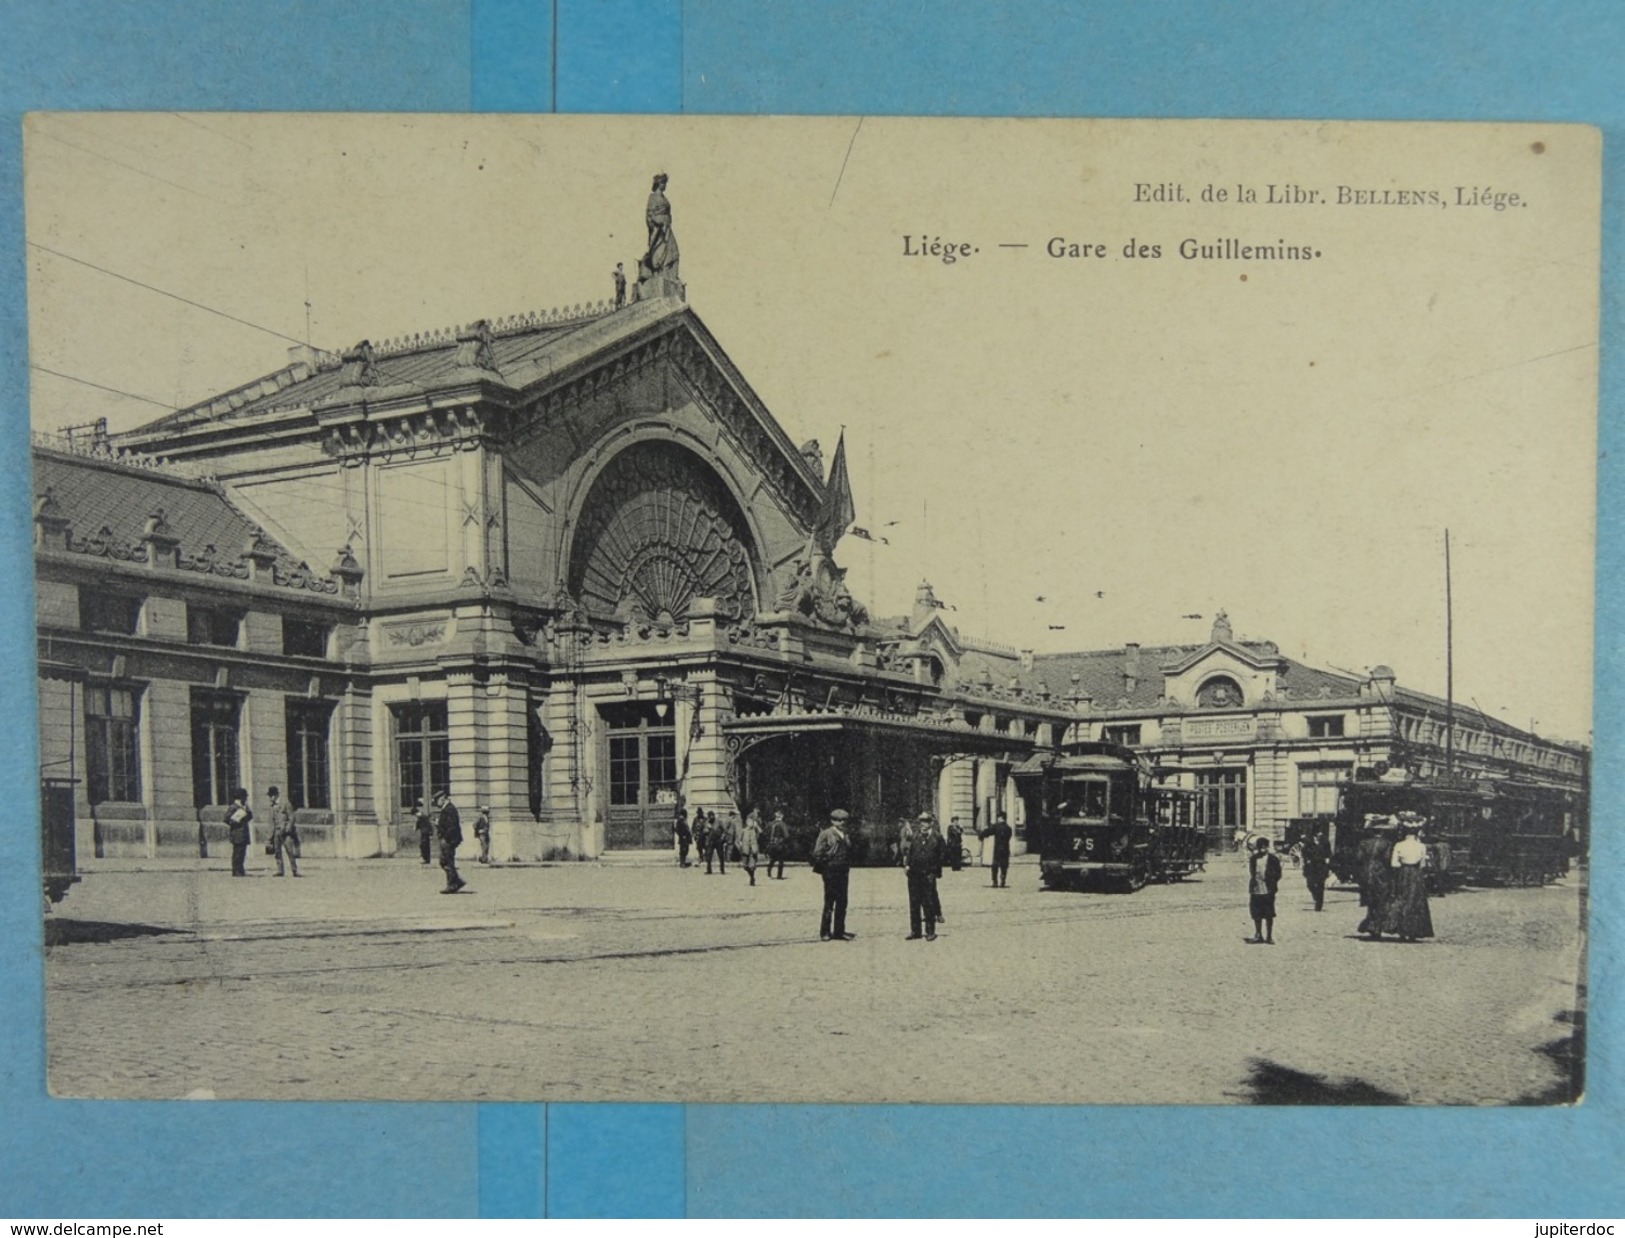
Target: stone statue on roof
660	262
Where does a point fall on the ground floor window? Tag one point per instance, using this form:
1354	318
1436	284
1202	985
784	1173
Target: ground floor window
308	784
112	743
422	752
641	774
1221	804
642	761
216	769
1318	787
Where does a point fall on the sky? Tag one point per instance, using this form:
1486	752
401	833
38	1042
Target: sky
1076	451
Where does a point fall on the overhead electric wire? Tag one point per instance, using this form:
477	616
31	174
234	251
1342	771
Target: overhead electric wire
100	386
209	309
175	296
129	167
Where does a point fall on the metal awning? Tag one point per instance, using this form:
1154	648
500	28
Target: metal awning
948	736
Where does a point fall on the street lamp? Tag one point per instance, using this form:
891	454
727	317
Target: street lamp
692	694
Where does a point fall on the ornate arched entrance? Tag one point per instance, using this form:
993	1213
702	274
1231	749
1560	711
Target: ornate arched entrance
659	529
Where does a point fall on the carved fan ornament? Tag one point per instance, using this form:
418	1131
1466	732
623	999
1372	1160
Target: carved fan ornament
659	531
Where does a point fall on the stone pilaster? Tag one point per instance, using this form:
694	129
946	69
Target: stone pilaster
568	769
465	735
707	781
166	715
361	826
505	769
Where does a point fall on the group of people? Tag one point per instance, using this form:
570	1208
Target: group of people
717	841
430	827
283	842
1392	878
445	824
923	851
953	844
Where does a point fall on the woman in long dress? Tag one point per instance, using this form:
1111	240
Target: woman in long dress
1405	910
1371	864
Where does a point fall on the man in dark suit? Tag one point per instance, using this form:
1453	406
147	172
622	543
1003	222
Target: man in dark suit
450	828
832	860
1001	833
778	844
922	858
237	818
1317	864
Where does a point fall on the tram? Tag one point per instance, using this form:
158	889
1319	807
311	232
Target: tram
1097	821
1477	833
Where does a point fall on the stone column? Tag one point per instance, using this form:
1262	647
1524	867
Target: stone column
361	822
569	766
987	774
957	784
166	714
505	769
464	733
265	755
707	784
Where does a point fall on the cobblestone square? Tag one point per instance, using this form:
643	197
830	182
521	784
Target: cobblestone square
643	981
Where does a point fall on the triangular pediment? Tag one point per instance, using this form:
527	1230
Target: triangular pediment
937	637
649	362
1251	659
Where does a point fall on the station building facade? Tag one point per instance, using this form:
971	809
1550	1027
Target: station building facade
567	567
1265	739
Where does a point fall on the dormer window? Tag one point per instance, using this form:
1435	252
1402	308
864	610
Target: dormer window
116	613
1220	693
211	625
304	640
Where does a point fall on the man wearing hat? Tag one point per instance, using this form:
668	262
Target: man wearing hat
1317	864
832	859
1001	833
449	826
922	859
778	844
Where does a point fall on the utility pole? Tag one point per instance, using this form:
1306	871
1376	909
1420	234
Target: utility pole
1449	667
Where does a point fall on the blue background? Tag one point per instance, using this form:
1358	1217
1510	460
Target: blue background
1451	60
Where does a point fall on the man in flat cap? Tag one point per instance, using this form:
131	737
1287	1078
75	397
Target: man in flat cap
832	859
922	859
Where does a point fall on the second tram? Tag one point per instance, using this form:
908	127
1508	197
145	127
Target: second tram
1097	820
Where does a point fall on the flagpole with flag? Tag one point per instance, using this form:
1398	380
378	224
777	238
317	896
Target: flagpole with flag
838	511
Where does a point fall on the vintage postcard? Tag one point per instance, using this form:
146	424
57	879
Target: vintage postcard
514	591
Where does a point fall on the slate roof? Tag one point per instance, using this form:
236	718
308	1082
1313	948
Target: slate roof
522	349
92	493
1101	674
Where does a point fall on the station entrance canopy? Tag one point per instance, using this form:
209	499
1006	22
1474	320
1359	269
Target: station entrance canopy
881	768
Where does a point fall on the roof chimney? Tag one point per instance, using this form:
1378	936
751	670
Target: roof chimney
1131	666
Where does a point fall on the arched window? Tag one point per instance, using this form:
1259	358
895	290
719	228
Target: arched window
1220	692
